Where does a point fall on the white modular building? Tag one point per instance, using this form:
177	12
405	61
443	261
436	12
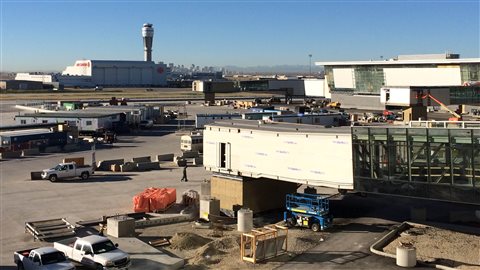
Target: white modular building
84	121
304	154
114	73
44	78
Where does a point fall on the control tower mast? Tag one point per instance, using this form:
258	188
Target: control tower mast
147	34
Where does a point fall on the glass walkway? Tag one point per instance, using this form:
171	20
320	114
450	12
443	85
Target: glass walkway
423	162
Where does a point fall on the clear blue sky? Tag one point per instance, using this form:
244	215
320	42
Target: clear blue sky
49	35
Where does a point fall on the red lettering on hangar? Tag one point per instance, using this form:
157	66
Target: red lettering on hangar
160	70
85	64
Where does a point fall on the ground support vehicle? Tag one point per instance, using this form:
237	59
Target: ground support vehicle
308	210
67	170
95	252
45	258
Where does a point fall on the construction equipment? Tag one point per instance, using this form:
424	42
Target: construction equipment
334	105
308	210
420	95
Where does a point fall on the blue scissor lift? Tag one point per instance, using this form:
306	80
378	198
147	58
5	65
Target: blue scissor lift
308	210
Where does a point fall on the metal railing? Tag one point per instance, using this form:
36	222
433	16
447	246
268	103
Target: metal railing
444	124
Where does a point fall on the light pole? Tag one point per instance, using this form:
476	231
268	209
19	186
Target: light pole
310	63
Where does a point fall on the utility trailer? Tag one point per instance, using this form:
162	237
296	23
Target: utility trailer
51	228
308	210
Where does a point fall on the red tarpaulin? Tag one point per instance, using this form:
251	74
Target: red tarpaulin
154	199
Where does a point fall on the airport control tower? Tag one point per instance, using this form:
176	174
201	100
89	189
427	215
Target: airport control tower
147	34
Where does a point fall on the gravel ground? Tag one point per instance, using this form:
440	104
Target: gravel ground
201	250
441	246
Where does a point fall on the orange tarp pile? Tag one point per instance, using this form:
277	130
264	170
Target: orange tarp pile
153	199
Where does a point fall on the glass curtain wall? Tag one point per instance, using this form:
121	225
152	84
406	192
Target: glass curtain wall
441	164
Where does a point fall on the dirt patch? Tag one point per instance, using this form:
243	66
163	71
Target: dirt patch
186	240
224	252
441	246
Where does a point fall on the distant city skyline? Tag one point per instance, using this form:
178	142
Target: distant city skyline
50	35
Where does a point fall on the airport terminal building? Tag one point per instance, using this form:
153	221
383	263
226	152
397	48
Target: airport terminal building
358	83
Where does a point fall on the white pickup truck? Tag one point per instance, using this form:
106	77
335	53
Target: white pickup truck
94	251
45	258
67	170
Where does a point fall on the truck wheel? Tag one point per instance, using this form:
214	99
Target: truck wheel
99	267
84	175
315	227
53	178
20	266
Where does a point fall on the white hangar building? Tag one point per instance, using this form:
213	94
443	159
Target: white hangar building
114	73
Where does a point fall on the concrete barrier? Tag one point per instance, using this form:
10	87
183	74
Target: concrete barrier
105	165
165	157
189	154
162	220
127	167
12	154
52	149
36	175
141	159
198	161
30	152
147	166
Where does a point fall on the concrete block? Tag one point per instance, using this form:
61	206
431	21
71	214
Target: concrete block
115	168
121	226
52	149
36	175
198	161
165	157
209	207
30	152
127	167
11	154
190	154
105	165
141	159
181	162
147	166
162	220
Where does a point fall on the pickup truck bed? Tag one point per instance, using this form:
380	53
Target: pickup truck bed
68	242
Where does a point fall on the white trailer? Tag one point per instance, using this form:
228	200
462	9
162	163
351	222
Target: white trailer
304	154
